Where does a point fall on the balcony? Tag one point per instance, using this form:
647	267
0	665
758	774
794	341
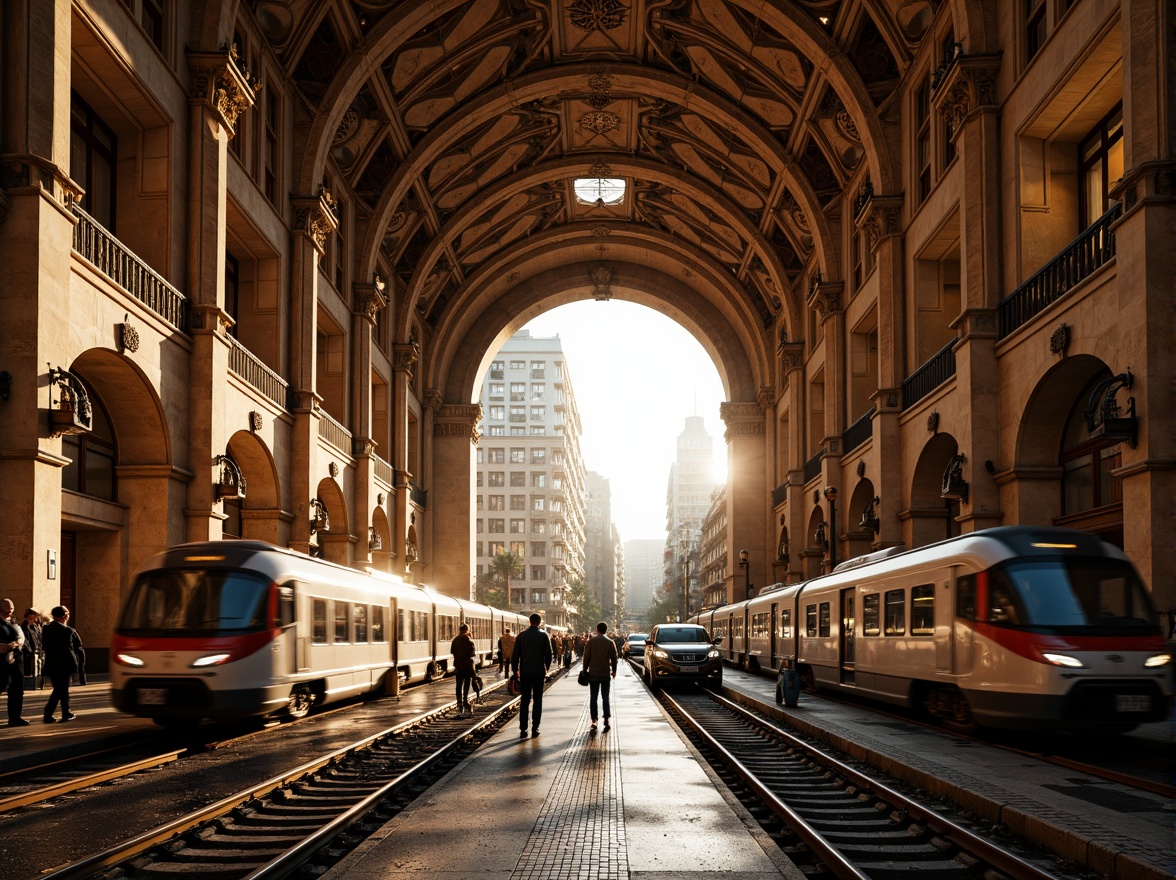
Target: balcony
1088	252
333	432
859	432
779	495
931	375
249	367
114	260
382	470
812	467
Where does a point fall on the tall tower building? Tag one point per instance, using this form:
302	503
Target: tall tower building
601	549
688	497
531	492
643	576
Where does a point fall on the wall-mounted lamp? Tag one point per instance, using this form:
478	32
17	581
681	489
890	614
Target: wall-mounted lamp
820	534
375	542
320	521
831	497
71	413
954	486
746	566
870	521
1105	420
230	482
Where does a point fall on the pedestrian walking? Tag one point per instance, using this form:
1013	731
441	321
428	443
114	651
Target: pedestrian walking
463	650
530	661
600	662
12	641
64	657
505	650
34	653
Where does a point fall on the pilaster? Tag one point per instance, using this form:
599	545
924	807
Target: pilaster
451	500
367	301
404	360
747	496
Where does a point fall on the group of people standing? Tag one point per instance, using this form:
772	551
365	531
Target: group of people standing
53	650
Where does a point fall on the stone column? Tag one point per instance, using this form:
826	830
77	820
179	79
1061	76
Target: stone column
825	297
747	496
791	356
404	359
881	219
367	303
967	100
36	234
314	220
219	95
451	500
1146	265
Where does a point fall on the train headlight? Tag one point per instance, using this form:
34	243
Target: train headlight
128	660
210	660
1157	661
1064	660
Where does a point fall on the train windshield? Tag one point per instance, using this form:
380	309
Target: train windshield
1092	595
192	602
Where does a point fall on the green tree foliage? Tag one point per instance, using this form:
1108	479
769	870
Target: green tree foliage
588	611
489	591
665	607
503	568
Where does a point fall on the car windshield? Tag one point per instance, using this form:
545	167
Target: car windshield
637	637
679	635
195	602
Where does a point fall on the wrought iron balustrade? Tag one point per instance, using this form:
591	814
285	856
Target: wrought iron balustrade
779	495
417	495
382	470
333	432
1089	251
249	367
812	467
130	272
931	375
859	432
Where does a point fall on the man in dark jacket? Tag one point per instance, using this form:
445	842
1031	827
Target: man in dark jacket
600	662
12	663
64	656
530	661
464	671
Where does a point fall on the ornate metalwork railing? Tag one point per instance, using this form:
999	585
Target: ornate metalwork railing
812	467
249	367
333	431
382	470
418	496
1079	259
859	432
931	375
118	263
779	495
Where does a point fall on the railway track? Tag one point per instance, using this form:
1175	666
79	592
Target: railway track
307	817
831	818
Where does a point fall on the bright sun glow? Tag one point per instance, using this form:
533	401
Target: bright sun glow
636	375
590	190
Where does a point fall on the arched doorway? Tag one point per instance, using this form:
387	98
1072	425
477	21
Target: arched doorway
932	517
256	516
331	537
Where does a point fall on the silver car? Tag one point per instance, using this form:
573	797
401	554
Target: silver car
635	644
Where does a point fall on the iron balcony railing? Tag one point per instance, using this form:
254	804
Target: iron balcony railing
333	432
812	467
779	495
1090	250
859	432
418	496
931	375
382	470
118	263
249	367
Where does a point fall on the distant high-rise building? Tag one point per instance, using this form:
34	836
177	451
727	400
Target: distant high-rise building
688	497
601	549
531	491
643	576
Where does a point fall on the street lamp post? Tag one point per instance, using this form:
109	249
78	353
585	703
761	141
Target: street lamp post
831	497
743	563
686	584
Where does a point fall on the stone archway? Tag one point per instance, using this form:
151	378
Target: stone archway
381	543
260	509
930	517
863	506
334	542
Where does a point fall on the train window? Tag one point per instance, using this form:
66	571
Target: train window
785	623
401	625
923	610
378	634
318	631
823	620
737	628
810	621
286	604
871	614
895	605
966	597
760	628
1104	594
359	616
421	630
197	601
342	618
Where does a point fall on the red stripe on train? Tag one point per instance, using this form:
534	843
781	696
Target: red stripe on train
1031	644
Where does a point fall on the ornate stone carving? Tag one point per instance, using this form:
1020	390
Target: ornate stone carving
405	355
765	397
881	218
256	421
369	300
601	275
128	337
597	15
600	94
315	218
968	85
222	86
348	126
600	121
791	355
458	420
825	297
742	419
333	469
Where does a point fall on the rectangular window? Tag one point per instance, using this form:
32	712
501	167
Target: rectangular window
518	502
151	17
496	502
538	431
760	628
1034	27
538	413
497	547
496	456
784	625
496	526
518	479
538	597
93	152
518	526
1100	155
520	431
360	619
518	391
318	613
518	455
538	390
518	413
539	548
923	610
496	368
496	479
810	621
538	572
538	527
496	391
342	620
539	503
966	597
497	412
539	480
823	620
518	548
539	456
871	614
269	151
379	634
923	137
538	368
495	431
894	606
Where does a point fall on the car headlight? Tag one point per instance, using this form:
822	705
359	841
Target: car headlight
1064	660
660	654
210	660
712	654
1157	661
128	660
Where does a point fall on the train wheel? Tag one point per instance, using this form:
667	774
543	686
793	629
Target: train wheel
951	707
433	672
301	699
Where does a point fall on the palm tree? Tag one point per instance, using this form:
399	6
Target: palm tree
505	566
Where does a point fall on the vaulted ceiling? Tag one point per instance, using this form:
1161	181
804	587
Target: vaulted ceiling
461	126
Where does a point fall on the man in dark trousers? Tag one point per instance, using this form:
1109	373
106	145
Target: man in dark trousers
530	661
12	663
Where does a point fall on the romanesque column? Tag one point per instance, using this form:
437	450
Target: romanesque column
366	305
825	298
791	357
405	356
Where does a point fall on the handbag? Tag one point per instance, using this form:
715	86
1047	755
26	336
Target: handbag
582	678
513	687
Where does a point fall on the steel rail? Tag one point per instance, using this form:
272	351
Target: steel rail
65	787
839	866
1000	858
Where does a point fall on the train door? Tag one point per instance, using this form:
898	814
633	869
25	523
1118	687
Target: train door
772	648
288	642
953	623
848	622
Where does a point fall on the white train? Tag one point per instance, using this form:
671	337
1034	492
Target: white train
236	629
1013	627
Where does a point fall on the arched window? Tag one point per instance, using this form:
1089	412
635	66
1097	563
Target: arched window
1088	482
92	456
